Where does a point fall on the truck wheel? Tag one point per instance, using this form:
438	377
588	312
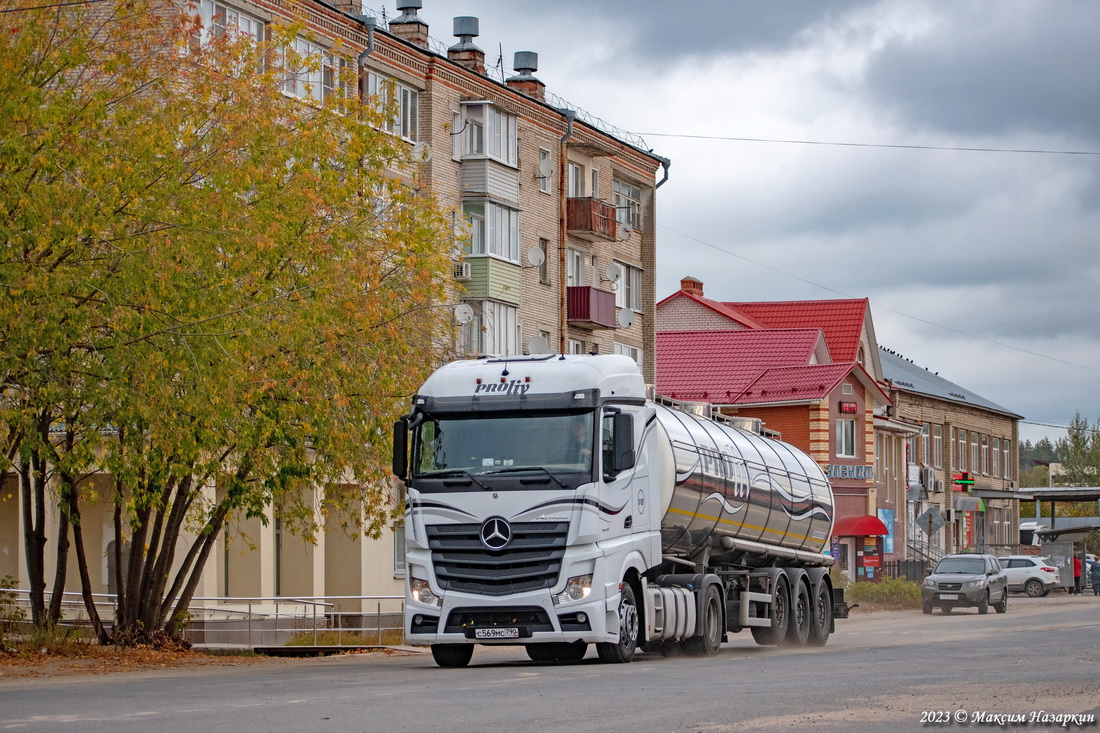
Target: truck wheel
821	616
540	652
798	630
452	655
622	651
781	617
709	642
572	651
983	605
1034	588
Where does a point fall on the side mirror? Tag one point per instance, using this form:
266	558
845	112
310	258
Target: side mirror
622	457
401	448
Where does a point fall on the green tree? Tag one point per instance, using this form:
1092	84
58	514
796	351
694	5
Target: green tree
205	283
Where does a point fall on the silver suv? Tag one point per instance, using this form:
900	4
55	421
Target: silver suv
966	580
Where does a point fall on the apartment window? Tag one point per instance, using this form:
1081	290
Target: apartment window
313	72
544	159
574	181
1006	451
937	446
985	455
574	268
628	294
494	329
406	104
846	438
963	463
575	347
627	200
494	230
996	456
975	460
595	182
219	19
491	132
632	351
399	551
544	268
925	444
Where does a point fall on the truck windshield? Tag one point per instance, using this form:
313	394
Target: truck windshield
557	443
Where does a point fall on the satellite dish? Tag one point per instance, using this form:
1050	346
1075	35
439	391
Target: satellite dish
538	345
625	318
422	152
535	257
612	273
546	168
463	313
624	232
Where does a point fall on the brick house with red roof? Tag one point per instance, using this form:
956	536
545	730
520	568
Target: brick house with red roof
810	371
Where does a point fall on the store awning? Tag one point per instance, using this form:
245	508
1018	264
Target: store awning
969	503
865	526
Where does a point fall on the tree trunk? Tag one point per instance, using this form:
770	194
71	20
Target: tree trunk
73	508
33	492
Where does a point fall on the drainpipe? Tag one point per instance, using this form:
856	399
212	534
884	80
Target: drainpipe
665	163
370	23
563	210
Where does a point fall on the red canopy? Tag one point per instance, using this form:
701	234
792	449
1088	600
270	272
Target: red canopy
865	526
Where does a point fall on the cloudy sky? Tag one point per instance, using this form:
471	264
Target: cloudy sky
981	265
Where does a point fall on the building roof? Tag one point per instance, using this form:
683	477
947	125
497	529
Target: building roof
794	384
906	376
841	320
721	309
717	365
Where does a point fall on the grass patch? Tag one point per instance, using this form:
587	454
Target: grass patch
888	594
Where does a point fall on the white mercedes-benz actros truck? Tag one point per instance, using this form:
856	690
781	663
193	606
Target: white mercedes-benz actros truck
551	505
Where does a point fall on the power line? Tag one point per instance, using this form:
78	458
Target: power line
870	145
48	7
906	315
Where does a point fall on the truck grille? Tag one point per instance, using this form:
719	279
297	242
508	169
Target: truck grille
532	560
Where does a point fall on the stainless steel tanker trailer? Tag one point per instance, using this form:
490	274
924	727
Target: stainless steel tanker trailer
551	505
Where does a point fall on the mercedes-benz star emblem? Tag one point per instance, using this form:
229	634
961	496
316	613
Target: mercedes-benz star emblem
496	533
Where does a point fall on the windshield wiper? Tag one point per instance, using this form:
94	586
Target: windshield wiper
517	469
457	472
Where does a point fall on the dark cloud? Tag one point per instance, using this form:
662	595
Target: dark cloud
995	68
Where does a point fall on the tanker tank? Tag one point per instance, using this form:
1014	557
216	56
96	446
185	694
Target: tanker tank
727	489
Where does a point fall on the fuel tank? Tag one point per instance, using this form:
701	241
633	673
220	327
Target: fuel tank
725	488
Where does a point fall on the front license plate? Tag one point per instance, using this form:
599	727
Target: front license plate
949	596
504	632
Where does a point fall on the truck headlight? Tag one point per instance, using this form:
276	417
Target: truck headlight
577	588
421	592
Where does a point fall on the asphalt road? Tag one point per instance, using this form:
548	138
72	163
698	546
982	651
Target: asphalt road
887	671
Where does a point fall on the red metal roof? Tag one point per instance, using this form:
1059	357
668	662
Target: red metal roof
717	365
841	320
721	308
794	384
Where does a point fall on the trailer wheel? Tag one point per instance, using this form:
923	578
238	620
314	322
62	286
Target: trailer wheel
798	630
821	616
773	634
622	651
709	642
452	655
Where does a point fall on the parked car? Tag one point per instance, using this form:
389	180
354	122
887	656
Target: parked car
966	580
1030	574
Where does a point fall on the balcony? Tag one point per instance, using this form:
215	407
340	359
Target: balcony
590	307
591	219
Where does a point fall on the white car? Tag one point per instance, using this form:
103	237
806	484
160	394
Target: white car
1033	575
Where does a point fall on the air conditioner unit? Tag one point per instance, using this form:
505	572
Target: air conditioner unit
938	485
949	515
927	478
462	271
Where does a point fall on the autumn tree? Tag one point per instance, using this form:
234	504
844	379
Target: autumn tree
214	292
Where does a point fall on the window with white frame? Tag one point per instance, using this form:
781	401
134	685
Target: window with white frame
494	229
1006	451
574	346
544	266
574	268
406	104
595	182
632	351
574	180
846	438
627	200
494	329
975	460
937	446
491	132
219	19
312	71
997	457
963	462
985	455
544	159
925	443
628	294
399	551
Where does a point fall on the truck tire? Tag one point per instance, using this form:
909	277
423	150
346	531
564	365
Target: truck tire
774	633
798	629
452	655
539	652
709	642
622	651
821	616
